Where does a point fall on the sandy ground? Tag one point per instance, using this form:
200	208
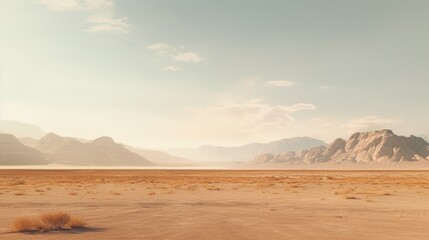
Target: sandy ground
203	204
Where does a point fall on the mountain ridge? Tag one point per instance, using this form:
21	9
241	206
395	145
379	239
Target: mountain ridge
245	152
102	151
382	146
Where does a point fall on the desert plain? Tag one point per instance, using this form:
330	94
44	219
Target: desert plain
221	204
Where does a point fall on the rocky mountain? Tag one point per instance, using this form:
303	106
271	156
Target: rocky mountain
13	152
246	152
102	151
377	146
20	130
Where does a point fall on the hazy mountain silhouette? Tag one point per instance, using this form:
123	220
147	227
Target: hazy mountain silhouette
246	152
161	158
13	152
103	151
20	130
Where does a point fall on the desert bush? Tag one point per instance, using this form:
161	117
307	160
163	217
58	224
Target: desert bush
76	222
50	221
26	224
55	220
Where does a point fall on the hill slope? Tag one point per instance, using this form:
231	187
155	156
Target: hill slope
13	152
161	158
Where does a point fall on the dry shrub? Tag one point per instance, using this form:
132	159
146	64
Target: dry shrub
26	224
55	220
76	222
50	221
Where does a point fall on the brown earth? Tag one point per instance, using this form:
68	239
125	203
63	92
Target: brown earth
221	204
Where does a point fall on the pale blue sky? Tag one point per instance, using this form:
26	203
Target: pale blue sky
184	73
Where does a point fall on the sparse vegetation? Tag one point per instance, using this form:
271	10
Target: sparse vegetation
51	221
55	220
26	224
76	222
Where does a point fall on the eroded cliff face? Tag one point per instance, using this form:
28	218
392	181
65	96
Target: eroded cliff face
377	146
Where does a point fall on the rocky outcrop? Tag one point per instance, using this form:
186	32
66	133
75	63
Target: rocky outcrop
13	152
377	146
103	151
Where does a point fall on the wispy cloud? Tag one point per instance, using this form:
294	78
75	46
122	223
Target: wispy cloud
160	48
368	123
108	24
101	14
174	53
171	68
281	83
251	118
324	87
187	57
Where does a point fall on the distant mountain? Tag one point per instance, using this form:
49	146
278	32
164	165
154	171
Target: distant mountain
13	152
161	158
28	141
246	152
20	130
377	146
102	151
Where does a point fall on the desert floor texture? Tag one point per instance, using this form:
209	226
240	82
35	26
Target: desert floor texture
221	204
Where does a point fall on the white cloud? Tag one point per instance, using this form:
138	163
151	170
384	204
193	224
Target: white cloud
101	14
172	68
159	46
240	120
301	106
108	24
324	87
187	57
281	83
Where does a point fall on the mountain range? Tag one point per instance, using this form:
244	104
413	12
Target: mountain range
103	151
246	152
367	147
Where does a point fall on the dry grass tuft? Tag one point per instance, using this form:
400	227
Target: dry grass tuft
55	220
26	224
51	221
76	222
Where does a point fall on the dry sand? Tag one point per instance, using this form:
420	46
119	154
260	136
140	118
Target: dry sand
209	204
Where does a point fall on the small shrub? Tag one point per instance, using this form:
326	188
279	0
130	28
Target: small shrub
76	222
55	220
26	224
